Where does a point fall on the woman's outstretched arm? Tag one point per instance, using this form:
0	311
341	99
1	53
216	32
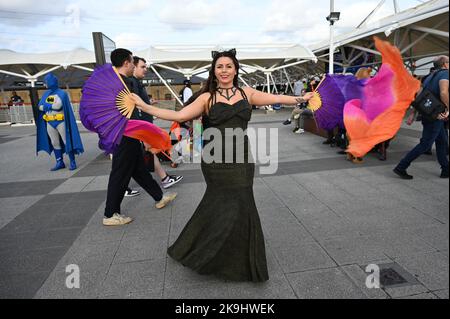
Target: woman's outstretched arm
259	98
192	111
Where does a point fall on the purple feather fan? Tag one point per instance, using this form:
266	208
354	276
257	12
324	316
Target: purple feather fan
99	106
330	97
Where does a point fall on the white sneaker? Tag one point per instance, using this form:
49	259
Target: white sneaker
117	220
170	180
132	193
165	200
299	131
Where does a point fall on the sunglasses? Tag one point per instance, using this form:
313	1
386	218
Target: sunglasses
215	54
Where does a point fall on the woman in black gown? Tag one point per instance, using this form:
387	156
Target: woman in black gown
224	236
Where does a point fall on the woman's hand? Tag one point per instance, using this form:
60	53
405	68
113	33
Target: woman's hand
305	98
308	96
138	101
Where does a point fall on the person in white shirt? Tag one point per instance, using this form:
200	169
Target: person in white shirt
187	91
298	87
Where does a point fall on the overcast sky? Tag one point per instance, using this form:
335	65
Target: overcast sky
55	25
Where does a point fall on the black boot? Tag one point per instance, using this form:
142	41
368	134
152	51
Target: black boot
402	173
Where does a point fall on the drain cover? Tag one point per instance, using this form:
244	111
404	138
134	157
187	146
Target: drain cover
392	275
389	277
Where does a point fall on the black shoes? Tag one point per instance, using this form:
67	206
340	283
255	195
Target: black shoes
287	122
402	173
332	142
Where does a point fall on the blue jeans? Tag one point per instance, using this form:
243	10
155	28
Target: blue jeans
432	132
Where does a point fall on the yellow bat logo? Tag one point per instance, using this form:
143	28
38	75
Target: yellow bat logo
50	99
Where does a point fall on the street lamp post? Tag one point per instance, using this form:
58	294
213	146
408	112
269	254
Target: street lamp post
332	18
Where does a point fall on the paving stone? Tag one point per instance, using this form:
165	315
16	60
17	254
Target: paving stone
134	277
72	185
442	294
323	217
431	269
351	250
324	284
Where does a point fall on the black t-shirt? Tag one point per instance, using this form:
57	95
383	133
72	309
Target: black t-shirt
310	87
432	81
136	87
129	83
139	89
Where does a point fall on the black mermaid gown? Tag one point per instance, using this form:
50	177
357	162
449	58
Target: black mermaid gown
224	236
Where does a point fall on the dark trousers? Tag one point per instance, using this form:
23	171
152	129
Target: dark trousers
127	163
433	132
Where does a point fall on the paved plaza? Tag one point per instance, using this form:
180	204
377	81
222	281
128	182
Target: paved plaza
324	220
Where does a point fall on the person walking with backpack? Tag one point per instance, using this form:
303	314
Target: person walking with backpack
434	130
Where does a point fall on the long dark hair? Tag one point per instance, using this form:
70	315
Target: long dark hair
212	82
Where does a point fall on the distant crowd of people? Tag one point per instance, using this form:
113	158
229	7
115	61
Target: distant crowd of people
434	131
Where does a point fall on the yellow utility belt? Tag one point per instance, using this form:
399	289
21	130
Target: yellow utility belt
56	117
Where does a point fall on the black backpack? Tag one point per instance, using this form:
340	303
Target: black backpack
427	104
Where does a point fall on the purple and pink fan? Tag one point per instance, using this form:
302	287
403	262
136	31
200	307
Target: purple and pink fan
330	97
105	108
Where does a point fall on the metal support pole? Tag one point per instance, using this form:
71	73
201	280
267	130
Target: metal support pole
331	55
268	82
167	85
34	98
274	84
289	80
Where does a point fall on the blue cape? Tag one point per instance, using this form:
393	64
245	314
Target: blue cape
73	138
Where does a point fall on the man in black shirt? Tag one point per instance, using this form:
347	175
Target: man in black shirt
128	160
139	73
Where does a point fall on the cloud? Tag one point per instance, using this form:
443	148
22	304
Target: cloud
231	37
28	5
321	32
22	44
131	41
13	44
26	13
355	13
132	7
298	21
139	23
197	14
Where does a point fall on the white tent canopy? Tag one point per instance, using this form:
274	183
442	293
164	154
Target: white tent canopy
187	60
418	32
193	60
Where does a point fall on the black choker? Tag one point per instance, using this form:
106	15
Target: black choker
228	96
